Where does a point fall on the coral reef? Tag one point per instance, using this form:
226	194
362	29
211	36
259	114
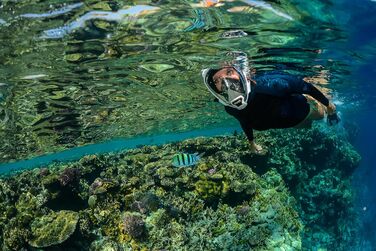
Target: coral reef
133	225
53	228
69	177
231	200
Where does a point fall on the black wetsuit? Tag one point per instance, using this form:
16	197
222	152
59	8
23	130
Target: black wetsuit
276	102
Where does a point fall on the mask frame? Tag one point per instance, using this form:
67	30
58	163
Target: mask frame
236	97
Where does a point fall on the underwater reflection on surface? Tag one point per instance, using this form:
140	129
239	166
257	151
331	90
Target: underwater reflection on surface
54	12
119	15
110	65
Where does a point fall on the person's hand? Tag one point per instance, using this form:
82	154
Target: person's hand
331	108
257	149
332	117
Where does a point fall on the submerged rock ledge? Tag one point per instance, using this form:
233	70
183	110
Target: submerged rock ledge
296	197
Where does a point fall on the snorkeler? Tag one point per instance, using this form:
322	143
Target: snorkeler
271	100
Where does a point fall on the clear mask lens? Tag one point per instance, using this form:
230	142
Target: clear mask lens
233	84
233	91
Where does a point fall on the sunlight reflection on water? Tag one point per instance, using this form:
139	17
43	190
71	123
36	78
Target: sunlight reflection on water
131	12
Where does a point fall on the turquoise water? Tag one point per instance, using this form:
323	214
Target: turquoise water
114	145
79	78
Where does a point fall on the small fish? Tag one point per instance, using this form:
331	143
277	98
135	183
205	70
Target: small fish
185	159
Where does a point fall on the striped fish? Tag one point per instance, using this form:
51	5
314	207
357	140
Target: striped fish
185	159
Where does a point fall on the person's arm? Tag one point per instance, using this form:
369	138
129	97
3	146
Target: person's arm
298	85
255	148
308	88
280	84
284	84
247	129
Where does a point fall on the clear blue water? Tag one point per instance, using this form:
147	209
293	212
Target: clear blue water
362	40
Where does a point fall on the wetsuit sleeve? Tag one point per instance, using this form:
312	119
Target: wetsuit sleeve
247	129
297	85
244	123
281	85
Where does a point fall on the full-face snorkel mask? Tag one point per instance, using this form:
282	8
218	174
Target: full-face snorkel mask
235	93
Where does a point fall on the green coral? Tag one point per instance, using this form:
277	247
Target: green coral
14	237
208	189
92	200
52	229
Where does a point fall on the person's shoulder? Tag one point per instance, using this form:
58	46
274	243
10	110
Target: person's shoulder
275	76
270	78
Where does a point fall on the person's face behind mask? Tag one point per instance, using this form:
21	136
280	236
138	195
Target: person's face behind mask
229	85
227	72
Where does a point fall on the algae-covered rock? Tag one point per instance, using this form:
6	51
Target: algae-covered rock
53	228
